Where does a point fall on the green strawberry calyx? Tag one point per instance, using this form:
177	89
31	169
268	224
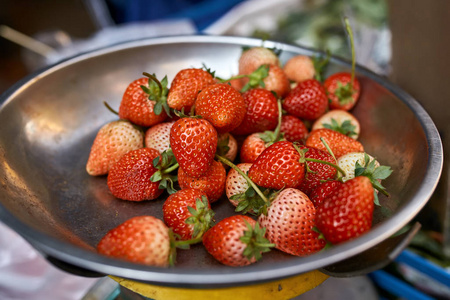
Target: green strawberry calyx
256	79
254	238
157	91
345	127
271	137
374	173
202	217
166	164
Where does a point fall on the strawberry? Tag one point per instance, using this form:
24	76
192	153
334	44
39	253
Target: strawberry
299	68
212	182
144	100
347	212
252	147
221	105
188	213
290	222
293	128
236	241
129	178
340	121
158	136
193	142
278	167
307	100
185	87
339	143
316	171
255	57
112	141
261	113
342	93
343	88
227	146
142	239
322	191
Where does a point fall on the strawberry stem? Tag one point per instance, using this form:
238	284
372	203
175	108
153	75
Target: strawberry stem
150	76
352	46
172	168
249	181
110	108
304	159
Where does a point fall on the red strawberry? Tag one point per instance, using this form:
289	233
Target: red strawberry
129	178
289	223
316	171
255	57
193	142
188	213
293	128
185	87
143	102
113	140
339	143
252	147
347	212
158	136
143	239
343	88
236	241
261	113
299	68
307	100
212	182
221	105
278	167
342	94
322	191
339	120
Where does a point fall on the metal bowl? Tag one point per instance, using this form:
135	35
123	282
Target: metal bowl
49	121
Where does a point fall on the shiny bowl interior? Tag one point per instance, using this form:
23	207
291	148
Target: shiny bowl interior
49	121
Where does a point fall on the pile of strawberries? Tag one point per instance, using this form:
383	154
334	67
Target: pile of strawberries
276	141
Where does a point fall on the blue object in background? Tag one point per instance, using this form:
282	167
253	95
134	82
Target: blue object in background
201	12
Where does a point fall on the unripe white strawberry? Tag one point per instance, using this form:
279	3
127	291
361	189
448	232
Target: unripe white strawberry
348	163
341	121
113	141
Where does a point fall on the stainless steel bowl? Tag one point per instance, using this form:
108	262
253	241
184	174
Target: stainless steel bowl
49	121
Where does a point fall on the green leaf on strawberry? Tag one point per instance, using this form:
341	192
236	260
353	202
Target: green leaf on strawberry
256	242
346	127
202	217
165	163
375	174
157	91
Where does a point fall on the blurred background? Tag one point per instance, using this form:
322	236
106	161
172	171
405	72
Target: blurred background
403	40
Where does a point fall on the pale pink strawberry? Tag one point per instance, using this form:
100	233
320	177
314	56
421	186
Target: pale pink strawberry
113	140
290	223
158	136
299	68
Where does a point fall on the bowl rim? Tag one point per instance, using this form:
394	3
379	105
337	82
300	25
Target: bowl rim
90	260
